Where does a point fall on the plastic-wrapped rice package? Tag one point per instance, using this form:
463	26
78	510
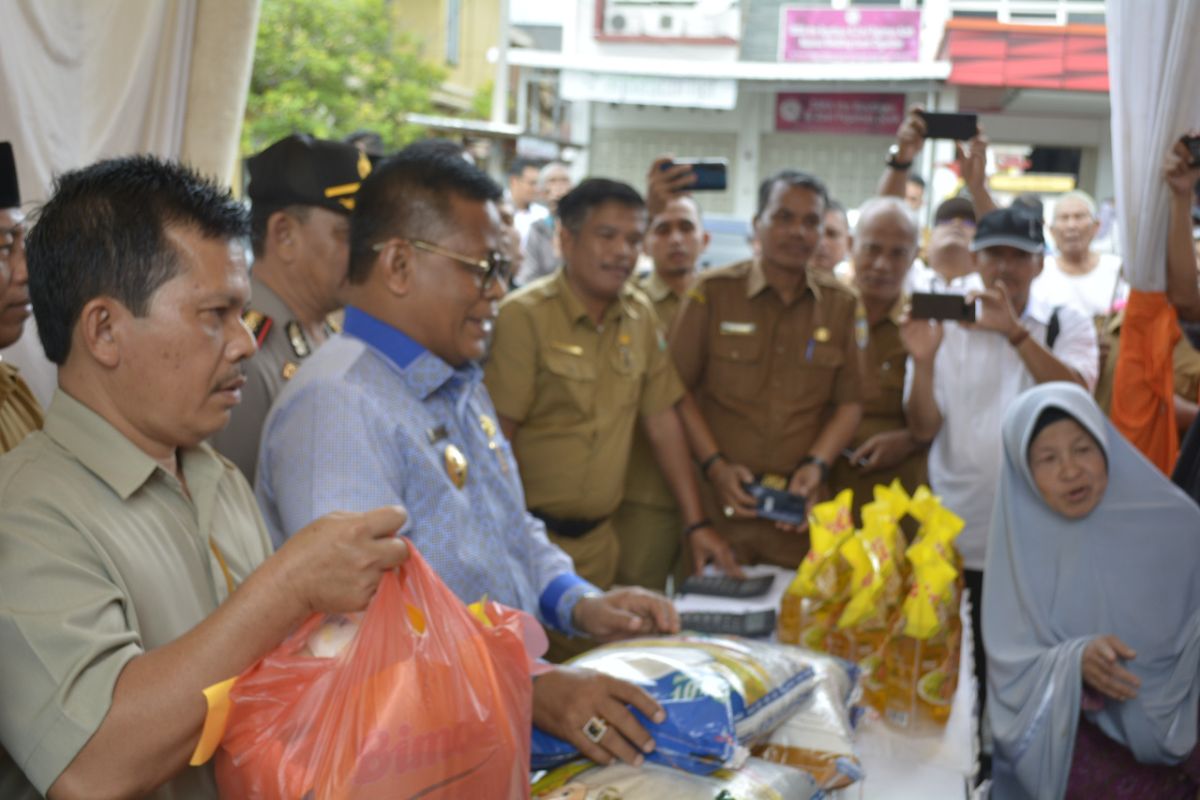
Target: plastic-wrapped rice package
756	780
721	694
819	737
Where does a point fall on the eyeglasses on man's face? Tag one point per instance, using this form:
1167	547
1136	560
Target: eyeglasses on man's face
497	267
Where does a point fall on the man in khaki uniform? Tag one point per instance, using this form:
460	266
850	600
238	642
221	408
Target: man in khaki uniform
20	413
883	248
301	192
648	522
576	359
136	570
768	350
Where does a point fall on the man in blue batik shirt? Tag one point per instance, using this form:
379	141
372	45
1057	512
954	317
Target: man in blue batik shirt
394	408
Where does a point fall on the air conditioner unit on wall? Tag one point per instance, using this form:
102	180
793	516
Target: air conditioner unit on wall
679	19
623	21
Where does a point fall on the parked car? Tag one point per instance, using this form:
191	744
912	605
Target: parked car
731	240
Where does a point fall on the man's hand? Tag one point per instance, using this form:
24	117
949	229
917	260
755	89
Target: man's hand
566	698
806	482
1179	176
884	451
1103	672
996	312
664	185
910	136
625	612
729	479
921	338
708	547
335	564
972	160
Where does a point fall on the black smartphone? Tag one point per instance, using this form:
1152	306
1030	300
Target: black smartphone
944	125
778	505
1192	143
952	307
711	173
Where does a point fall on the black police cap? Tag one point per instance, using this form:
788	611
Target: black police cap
305	171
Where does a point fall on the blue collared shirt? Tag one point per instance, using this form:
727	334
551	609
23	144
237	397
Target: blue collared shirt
366	422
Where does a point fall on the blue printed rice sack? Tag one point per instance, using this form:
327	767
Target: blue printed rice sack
721	696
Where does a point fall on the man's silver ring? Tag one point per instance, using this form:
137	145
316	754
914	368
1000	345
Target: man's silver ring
594	729
729	511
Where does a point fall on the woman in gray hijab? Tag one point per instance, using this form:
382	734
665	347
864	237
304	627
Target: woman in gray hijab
1091	611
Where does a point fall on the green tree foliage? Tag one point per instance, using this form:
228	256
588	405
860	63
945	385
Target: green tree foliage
330	67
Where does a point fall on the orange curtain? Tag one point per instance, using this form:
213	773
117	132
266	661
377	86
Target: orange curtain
1143	407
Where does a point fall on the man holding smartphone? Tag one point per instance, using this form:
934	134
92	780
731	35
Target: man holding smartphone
767	348
962	376
883	448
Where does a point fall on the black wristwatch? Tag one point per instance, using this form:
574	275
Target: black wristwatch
821	465
892	162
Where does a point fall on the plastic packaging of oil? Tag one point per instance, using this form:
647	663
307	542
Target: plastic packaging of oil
855	597
921	663
813	601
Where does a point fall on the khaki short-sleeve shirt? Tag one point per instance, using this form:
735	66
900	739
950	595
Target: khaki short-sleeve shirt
767	376
103	557
884	361
576	389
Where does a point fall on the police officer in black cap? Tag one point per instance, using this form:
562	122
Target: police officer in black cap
301	191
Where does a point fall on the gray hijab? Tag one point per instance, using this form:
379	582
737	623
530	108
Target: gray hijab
1130	568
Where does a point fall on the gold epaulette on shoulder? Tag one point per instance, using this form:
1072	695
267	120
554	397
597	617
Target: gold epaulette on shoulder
258	323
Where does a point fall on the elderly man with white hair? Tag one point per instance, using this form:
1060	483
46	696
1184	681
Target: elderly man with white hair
1076	275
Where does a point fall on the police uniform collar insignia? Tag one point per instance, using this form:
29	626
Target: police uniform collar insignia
456	465
297	340
258	323
333	322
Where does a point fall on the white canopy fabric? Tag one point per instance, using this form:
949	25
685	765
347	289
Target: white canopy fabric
1154	77
82	80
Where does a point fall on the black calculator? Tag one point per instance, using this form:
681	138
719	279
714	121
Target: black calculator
725	586
752	624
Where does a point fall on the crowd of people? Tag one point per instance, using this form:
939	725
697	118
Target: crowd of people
239	434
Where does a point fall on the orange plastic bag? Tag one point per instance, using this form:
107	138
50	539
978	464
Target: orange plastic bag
428	700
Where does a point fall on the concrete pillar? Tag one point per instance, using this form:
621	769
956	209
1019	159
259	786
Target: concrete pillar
752	110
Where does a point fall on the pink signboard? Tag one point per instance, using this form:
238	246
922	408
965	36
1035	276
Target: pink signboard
839	113
808	34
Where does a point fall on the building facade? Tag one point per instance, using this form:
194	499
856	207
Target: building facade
769	84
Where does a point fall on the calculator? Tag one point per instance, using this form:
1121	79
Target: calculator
725	586
753	624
